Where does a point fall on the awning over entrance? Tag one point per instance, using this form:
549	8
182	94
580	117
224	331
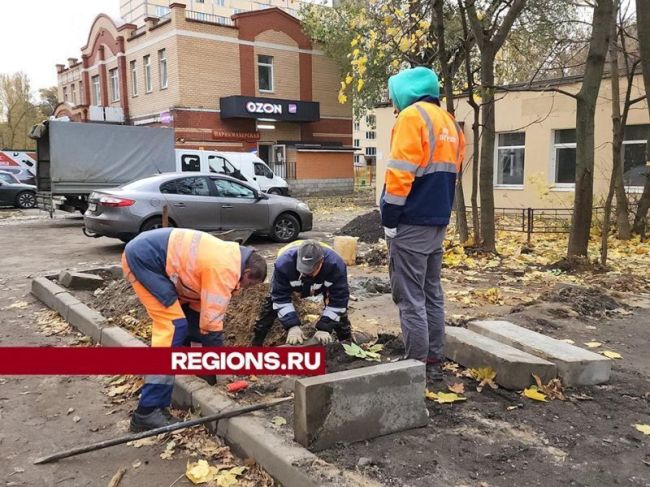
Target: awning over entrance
271	109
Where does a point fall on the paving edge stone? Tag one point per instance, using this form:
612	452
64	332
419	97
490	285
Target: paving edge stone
287	462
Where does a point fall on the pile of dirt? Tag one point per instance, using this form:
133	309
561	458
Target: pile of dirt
119	304
367	227
586	301
375	255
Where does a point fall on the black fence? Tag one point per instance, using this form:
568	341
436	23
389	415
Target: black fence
540	220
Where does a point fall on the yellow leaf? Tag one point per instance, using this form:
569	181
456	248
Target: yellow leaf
593	344
342	99
354	42
533	393
643	428
449	397
612	355
359	85
279	421
458	388
311	318
431	395
201	472
348	79
226	479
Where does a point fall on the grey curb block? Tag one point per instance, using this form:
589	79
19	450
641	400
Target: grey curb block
290	464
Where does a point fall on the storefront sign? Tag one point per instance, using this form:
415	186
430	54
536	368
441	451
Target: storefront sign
270	109
227	135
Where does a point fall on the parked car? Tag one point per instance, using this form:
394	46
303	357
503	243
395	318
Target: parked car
203	201
15	193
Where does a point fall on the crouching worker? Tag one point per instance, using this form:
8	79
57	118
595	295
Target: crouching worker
184	279
308	268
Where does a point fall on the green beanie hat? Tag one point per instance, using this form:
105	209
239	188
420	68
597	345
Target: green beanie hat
411	85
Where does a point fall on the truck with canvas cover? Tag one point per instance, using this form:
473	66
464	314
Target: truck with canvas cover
74	159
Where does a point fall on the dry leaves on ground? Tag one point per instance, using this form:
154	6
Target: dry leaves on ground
612	355
458	388
532	392
444	397
50	323
643	428
485	376
553	390
122	387
202	472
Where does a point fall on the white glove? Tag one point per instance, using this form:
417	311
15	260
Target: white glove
390	232
323	337
295	336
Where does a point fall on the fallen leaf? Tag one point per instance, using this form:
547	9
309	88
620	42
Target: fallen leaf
136	464
593	344
311	318
533	393
279	421
169	450
70	411
612	355
143	442
643	428
201	472
18	305
444	397
484	376
76	419
458	388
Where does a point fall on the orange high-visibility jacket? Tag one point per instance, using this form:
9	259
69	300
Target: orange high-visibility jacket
206	271
427	151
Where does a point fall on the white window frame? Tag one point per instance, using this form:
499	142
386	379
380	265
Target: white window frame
220	3
357	143
133	67
146	66
96	90
73	93
496	161
272	74
554	146
371	135
114	79
356	127
65	93
369	150
633	189
163	67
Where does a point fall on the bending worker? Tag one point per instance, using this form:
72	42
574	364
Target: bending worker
308	268
185	280
427	150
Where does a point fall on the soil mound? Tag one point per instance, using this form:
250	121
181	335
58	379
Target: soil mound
585	301
367	227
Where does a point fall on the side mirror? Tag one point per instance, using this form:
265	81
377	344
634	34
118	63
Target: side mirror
260	196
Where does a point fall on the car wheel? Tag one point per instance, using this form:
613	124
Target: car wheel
275	191
26	200
154	223
286	228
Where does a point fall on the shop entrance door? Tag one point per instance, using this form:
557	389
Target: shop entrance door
264	152
280	161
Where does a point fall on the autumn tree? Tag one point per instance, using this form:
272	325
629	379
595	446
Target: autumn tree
49	100
17	112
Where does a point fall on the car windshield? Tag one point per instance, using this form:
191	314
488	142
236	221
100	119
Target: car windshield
8	178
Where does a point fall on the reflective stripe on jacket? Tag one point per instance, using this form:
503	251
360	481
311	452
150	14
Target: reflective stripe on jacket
427	150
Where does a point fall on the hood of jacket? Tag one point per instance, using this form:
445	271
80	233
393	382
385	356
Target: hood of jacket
412	85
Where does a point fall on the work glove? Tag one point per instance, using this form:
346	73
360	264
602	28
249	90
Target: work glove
323	337
295	336
390	232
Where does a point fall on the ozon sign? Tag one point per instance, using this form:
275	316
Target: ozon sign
264	108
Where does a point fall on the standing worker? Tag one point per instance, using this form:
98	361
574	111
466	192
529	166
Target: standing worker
308	268
184	279
427	150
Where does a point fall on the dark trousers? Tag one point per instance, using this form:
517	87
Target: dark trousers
267	316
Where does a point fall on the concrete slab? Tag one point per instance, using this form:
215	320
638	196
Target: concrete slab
63	302
575	366
115	336
46	290
87	320
359	404
80	280
514	368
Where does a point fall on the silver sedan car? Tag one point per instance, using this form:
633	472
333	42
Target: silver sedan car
208	202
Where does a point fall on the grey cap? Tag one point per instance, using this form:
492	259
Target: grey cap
310	253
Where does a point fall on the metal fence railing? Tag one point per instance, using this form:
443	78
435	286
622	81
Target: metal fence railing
208	18
286	170
364	177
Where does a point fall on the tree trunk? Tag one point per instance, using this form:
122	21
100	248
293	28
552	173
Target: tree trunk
447	75
585	113
476	134
486	181
643	19
618	132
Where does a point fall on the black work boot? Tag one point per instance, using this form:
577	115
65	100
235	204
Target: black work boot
434	371
156	419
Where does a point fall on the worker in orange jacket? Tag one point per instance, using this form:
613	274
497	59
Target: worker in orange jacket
426	155
185	280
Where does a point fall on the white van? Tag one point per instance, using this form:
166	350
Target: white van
241	165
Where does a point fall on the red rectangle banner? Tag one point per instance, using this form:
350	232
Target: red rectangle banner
162	361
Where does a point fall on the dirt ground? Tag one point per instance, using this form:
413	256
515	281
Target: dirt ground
494	438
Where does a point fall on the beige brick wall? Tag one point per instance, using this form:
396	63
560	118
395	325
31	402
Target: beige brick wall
325	85
286	66
283	131
158	99
210	70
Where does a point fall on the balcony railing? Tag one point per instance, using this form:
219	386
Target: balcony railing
208	18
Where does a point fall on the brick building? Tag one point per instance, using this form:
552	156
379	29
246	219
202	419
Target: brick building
259	84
